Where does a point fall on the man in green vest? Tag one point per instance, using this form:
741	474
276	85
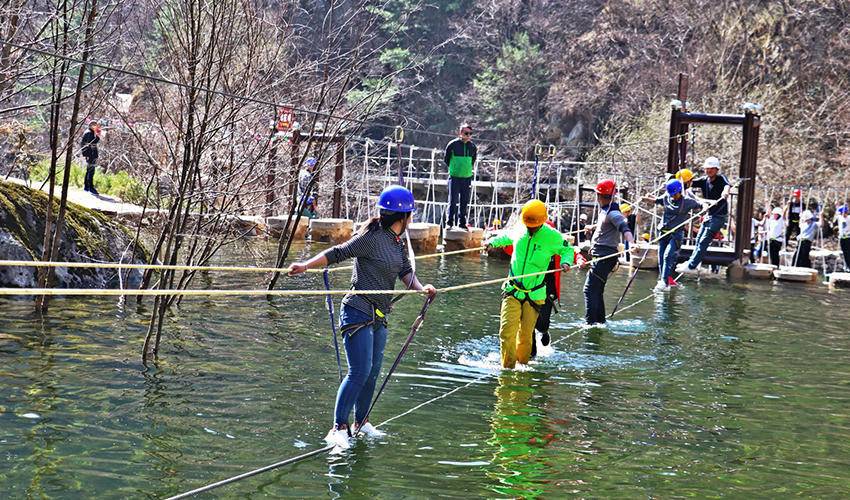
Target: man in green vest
460	157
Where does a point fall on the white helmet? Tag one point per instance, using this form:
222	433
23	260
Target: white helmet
807	215
777	211
711	162
582	217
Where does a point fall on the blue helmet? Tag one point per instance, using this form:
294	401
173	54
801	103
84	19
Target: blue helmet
310	201
674	187
396	199
310	162
842	209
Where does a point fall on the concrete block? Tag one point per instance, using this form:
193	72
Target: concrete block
331	230
458	239
424	237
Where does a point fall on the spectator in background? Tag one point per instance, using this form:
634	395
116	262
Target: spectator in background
461	154
792	216
775	235
305	175
842	223
89	151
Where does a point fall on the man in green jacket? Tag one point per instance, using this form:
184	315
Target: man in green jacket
460	158
522	297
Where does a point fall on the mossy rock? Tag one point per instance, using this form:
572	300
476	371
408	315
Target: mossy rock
88	236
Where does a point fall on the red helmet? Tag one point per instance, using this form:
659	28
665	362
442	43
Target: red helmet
606	187
797	193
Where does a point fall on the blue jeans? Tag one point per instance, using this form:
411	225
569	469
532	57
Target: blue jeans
364	351
668	254
594	286
706	232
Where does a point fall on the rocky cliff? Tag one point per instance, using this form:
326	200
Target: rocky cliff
88	237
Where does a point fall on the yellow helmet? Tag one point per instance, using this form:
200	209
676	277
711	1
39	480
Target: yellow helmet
625	208
685	175
534	213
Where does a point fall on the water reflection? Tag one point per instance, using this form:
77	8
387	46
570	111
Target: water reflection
519	434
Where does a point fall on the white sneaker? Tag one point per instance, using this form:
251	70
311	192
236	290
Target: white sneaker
661	287
370	431
338	438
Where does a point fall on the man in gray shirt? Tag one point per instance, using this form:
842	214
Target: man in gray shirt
606	238
677	207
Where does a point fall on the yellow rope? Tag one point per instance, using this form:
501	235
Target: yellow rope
213	293
164	267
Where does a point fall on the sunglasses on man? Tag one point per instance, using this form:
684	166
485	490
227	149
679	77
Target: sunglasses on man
468	132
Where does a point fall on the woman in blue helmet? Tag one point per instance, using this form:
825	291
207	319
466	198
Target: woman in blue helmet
380	256
676	210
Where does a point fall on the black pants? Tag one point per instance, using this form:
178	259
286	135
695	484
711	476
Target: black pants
89	180
845	249
594	287
792	230
459	191
775	247
801	256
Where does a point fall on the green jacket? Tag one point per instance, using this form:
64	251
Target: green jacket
460	157
532	255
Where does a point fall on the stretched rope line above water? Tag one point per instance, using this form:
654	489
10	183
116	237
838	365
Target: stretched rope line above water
308	293
169	267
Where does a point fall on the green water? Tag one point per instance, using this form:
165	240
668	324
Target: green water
719	390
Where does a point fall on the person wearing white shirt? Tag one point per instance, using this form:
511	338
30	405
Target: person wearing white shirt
775	235
842	220
809	225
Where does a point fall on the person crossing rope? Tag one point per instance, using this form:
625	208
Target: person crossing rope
686	176
606	238
714	186
380	255
523	297
676	210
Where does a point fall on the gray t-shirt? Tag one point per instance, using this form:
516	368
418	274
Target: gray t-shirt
610	222
379	258
675	211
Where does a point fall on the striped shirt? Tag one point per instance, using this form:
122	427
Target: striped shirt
379	258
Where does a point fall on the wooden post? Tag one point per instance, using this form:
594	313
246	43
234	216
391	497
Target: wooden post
747	187
675	151
294	156
338	172
271	192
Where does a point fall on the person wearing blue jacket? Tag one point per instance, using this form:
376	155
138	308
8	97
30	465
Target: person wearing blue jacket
677	207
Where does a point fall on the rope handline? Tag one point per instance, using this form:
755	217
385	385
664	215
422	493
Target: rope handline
167	267
217	292
329	303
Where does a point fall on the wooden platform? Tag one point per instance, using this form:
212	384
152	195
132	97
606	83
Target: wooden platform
797	274
759	271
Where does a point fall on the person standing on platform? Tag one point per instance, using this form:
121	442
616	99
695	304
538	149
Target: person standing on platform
808	232
842	223
775	235
461	154
792	216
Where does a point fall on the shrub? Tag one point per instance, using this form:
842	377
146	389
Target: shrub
118	184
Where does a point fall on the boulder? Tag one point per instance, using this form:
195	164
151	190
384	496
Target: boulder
88	236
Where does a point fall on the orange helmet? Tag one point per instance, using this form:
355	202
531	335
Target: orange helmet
534	213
